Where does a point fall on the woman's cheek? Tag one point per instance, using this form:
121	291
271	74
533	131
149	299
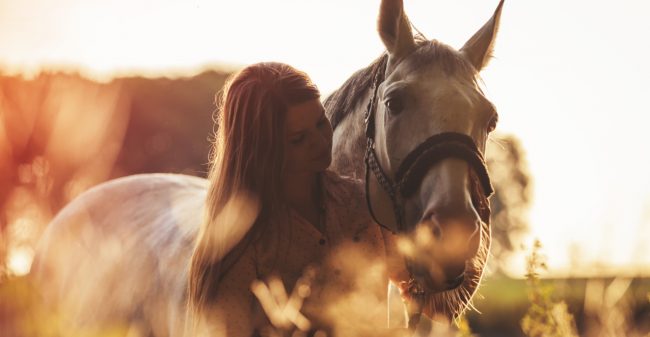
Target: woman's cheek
295	158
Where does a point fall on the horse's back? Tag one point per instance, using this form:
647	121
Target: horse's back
119	253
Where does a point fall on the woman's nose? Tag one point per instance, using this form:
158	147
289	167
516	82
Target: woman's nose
320	141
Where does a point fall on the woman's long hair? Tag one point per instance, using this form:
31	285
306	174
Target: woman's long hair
247	170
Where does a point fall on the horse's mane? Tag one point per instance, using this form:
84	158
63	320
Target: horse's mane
343	101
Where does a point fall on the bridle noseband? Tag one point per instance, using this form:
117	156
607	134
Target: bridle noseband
416	164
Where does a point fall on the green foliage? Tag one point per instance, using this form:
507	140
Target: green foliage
463	327
545	317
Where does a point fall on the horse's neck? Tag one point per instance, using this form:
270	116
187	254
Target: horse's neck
349	144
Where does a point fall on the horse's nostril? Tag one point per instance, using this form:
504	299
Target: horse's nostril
437	231
465	217
432	221
455	271
456	281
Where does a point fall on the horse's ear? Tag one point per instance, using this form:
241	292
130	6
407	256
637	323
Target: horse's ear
394	28
478	49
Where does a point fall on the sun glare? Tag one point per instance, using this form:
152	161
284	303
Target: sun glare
20	260
577	117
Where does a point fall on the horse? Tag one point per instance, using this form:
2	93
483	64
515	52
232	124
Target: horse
118	254
423	113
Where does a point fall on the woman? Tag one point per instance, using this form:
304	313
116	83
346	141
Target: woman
272	151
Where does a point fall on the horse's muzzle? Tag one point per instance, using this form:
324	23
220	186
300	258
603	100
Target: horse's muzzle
441	260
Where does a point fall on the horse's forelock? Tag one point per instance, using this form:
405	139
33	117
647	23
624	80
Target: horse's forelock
441	55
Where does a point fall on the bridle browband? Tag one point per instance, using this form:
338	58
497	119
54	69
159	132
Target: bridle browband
416	164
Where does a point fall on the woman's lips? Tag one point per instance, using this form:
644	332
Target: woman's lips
322	155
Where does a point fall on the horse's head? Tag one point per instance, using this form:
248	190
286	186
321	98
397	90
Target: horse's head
430	122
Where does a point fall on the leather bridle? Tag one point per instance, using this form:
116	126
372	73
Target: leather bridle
415	165
410	173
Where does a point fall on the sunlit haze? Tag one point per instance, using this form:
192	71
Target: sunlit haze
569	78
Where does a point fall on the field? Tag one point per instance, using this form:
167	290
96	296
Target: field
502	303
164	125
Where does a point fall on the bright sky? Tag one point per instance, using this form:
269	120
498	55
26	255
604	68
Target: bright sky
570	79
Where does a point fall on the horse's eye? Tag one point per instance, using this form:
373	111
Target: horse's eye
394	105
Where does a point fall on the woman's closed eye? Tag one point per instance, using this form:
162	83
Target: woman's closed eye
297	140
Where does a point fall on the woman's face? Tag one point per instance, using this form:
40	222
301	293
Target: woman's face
308	139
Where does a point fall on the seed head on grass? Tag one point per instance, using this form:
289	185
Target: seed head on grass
545	317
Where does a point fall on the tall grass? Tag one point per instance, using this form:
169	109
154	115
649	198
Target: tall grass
546	317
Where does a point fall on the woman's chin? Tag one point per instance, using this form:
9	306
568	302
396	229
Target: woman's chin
323	163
